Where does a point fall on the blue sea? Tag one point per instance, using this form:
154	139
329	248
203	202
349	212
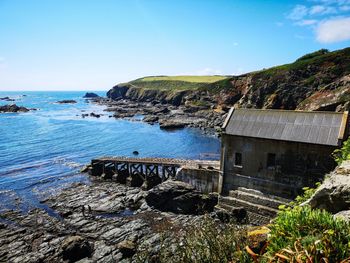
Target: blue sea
43	151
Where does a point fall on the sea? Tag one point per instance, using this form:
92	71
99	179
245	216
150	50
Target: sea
42	151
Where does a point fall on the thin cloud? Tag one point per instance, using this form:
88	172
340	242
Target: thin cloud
298	12
322	10
333	30
306	22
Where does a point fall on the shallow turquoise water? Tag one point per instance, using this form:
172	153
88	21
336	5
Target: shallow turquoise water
42	151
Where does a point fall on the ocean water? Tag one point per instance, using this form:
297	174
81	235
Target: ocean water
42	151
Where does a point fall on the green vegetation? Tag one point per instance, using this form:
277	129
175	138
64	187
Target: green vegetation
340	58
196	79
305	235
343	153
209	242
313	54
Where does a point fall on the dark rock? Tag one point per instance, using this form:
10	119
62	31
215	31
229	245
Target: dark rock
127	248
118	92
84	115
121	176
134	180
13	108
90	95
95	115
150	182
135	153
150	119
180	197
170	125
75	248
66	101
85	169
7	99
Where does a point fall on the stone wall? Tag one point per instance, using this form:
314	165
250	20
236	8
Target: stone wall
204	180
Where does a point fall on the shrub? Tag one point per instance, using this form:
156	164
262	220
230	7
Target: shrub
208	242
313	54
343	153
305	235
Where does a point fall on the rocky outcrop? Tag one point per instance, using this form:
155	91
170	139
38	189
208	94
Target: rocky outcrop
14	108
180	197
90	95
334	193
75	248
7	99
118	92
66	101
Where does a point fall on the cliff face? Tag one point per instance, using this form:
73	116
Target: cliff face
316	81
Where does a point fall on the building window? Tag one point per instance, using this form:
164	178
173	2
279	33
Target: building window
271	160
238	159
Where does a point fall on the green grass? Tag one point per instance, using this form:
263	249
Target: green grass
194	79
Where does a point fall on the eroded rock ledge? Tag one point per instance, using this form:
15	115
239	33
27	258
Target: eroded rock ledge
101	222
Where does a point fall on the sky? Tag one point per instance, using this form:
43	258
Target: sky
96	44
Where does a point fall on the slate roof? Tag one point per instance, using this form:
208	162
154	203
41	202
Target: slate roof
327	128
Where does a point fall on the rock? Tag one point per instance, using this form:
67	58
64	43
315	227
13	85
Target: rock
334	193
13	108
66	101
127	248
151	119
150	182
170	125
90	95
135	153
75	248
7	99
85	169
95	115
179	197
121	176
345	215
134	180
118	91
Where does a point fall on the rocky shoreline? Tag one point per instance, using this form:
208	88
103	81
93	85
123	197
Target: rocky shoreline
101	222
168	116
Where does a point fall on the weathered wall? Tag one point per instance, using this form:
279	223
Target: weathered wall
204	180
297	165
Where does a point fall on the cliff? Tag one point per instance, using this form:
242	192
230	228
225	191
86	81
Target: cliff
316	81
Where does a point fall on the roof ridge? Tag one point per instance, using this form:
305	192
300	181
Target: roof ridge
296	111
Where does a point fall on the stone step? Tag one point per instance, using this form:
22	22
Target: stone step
264	200
259	193
251	207
253	218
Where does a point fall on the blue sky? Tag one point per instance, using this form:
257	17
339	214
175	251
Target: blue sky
93	45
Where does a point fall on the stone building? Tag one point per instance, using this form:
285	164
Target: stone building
278	152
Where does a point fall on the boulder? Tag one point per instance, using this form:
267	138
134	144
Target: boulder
13	108
134	180
334	193
150	182
75	248
90	95
66	101
180	197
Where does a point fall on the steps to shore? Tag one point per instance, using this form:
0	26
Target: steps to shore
261	208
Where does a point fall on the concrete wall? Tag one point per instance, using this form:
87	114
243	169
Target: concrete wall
204	180
297	165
